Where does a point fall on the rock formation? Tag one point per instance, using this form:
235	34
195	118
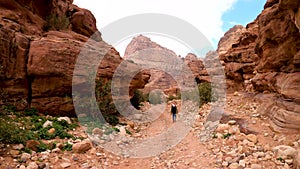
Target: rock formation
264	57
141	43
40	42
236	49
160	79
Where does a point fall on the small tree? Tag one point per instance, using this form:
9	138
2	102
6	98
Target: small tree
137	98
55	22
105	102
205	92
156	97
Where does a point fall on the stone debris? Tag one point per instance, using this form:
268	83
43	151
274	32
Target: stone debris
32	165
67	119
210	145
65	165
25	157
18	147
47	123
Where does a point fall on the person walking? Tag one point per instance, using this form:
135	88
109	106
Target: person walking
174	111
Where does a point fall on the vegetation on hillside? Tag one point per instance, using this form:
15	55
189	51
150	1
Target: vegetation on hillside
19	127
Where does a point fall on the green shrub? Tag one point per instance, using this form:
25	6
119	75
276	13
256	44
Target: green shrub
67	147
42	147
111	119
128	132
55	22
214	135
11	132
205	93
116	129
44	134
9	108
280	159
227	135
137	98
30	111
27	150
156	97
104	97
20	129
105	102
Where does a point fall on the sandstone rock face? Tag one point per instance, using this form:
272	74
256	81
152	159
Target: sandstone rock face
264	57
140	43
278	47
83	22
37	64
197	67
160	79
14	83
236	49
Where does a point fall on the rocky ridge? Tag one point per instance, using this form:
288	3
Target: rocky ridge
159	78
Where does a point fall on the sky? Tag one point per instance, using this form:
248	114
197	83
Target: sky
212	18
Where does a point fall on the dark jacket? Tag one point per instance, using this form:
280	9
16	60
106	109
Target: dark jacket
173	109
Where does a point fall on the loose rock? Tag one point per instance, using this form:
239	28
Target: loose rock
97	131
252	138
285	152
65	165
47	123
256	166
67	119
18	147
82	146
32	165
25	157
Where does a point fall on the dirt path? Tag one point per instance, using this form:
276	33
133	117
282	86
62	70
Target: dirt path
188	153
243	139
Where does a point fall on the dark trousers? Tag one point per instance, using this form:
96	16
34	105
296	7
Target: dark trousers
174	117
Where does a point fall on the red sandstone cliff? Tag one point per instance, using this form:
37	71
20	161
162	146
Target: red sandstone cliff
264	58
40	42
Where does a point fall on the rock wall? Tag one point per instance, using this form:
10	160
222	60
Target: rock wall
37	59
264	58
236	50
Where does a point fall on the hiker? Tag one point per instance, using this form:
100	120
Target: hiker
174	111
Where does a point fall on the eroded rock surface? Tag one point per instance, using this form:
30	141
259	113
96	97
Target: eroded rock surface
40	44
264	58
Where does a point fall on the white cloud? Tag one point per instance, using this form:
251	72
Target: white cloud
206	16
234	23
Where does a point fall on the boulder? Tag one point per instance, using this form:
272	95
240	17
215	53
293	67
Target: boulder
285	152
82	146
296	160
